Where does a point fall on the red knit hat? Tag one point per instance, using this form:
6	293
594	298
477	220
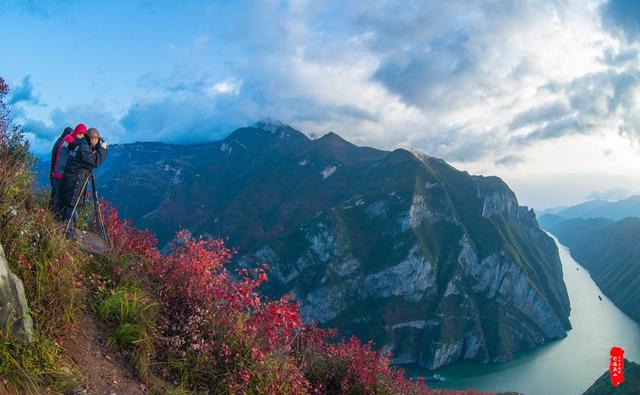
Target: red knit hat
79	129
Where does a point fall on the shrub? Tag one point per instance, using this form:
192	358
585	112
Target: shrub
47	264
126	335
218	333
36	366
126	305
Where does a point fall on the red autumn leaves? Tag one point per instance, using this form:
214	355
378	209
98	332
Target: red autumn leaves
227	335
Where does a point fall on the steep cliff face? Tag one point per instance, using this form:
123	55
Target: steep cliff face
429	262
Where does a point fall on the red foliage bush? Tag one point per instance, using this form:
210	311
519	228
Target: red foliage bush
4	111
228	337
219	327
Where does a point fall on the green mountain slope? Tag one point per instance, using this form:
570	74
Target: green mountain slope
611	252
630	386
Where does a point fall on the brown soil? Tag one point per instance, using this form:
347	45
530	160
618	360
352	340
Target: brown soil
102	370
5	390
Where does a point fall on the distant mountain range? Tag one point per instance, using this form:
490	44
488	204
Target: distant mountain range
596	208
610	250
604	237
430	262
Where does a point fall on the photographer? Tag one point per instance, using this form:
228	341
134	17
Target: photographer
59	157
84	155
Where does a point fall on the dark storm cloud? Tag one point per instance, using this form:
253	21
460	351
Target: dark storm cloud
185	113
420	76
554	130
608	94
436	54
91	115
201	118
187	120
459	144
595	100
543	113
620	57
23	92
510	160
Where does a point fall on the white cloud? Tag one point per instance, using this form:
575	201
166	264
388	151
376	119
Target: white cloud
495	87
230	86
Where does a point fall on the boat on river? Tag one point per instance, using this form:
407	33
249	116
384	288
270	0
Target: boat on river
435	378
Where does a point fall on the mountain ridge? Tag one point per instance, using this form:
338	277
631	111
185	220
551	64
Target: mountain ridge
595	208
430	262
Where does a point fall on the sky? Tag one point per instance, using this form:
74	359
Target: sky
545	94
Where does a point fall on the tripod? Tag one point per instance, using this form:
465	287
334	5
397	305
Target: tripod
96	207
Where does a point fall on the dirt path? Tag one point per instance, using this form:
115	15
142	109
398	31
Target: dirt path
4	389
103	371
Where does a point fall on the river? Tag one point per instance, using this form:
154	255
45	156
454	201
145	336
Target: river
563	367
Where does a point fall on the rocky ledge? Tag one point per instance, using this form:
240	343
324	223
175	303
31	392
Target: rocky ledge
14	311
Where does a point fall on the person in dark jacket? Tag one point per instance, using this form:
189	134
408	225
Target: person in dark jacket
56	145
55	186
59	157
84	155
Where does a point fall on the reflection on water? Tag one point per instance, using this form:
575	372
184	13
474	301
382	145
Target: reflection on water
564	367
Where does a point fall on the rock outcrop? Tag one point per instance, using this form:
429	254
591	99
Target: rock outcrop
14	311
630	385
431	263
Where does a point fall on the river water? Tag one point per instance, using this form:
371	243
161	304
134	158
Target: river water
563	367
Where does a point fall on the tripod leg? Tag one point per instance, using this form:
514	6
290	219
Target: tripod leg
96	206
75	206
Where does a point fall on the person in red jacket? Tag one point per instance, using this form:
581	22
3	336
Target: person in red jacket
55	186
59	159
